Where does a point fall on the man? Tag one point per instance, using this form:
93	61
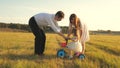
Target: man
36	23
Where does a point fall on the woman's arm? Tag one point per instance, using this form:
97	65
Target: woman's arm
69	30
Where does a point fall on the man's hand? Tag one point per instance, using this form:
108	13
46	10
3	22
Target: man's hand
67	38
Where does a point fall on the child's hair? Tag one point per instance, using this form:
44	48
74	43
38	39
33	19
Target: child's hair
74	32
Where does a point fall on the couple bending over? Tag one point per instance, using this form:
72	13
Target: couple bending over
76	27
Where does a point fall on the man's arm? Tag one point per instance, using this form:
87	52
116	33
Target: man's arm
61	34
55	28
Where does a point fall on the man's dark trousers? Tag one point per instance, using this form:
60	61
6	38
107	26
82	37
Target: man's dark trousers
40	37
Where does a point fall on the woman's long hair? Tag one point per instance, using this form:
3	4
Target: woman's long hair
76	22
75	17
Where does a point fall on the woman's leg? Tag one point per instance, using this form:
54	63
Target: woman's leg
83	47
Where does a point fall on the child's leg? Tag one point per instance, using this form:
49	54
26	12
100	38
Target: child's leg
70	54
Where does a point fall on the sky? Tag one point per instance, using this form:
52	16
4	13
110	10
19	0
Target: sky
97	14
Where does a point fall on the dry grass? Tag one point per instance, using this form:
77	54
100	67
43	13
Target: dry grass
16	51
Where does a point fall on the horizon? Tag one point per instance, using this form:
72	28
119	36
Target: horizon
98	15
61	26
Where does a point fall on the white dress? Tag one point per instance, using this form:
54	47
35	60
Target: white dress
75	46
85	33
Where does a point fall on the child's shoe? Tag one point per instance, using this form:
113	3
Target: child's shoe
77	54
70	57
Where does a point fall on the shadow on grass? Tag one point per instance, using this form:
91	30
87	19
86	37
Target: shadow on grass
27	57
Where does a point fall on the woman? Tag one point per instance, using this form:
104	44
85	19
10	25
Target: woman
79	29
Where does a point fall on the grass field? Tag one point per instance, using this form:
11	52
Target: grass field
17	51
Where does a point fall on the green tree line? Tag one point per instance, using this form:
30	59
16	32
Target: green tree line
47	29
27	28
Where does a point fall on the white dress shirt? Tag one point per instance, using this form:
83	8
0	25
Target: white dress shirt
45	19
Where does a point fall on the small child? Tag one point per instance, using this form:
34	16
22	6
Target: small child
75	45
